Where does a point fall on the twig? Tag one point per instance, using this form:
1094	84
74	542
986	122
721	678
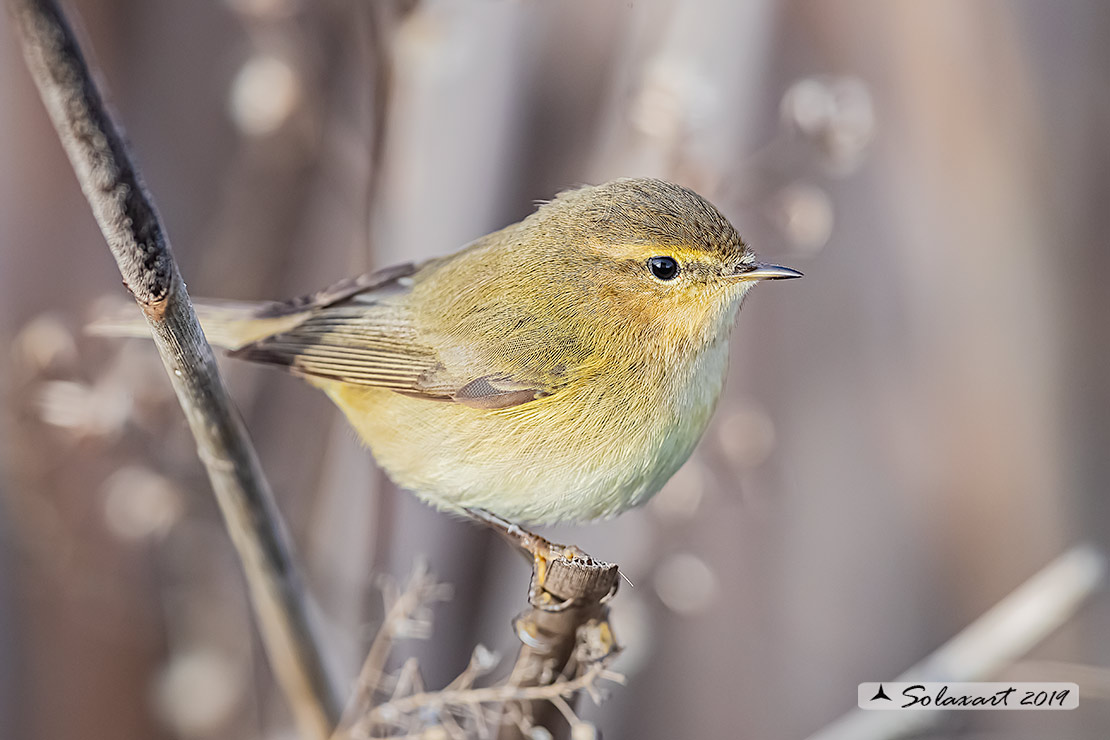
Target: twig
1006	632
488	695
401	608
134	233
575	638
566	646
390	711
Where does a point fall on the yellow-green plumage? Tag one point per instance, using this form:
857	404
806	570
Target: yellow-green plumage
544	373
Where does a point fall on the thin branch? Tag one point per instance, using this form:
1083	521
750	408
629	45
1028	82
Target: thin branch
566	644
390	711
1010	629
133	230
482	661
401	611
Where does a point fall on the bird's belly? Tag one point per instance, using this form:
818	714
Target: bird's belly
572	457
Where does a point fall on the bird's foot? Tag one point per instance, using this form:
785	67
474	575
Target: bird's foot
542	552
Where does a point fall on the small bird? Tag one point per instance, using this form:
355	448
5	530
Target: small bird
560	369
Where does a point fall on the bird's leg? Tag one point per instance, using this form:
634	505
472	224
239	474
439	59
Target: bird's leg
541	550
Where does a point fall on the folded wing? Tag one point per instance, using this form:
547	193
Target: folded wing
361	333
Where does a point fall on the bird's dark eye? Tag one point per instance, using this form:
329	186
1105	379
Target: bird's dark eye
664	268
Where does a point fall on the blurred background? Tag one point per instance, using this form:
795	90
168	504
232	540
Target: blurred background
907	435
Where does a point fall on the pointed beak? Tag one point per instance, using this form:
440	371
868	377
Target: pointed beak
760	271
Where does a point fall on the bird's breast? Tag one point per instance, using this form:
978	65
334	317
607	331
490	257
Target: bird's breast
595	448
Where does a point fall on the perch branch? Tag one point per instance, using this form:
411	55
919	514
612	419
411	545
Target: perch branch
564	642
566	646
134	232
1008	630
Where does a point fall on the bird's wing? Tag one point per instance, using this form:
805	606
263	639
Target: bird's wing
370	287
360	333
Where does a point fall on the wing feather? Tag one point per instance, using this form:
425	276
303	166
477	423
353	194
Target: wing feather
349	336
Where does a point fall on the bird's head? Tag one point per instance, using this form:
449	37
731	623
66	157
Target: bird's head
658	254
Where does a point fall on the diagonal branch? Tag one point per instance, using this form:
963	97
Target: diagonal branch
1007	631
134	233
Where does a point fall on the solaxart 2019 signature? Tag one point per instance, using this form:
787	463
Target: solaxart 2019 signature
917	694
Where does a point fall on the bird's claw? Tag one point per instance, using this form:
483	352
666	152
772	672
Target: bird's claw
543	552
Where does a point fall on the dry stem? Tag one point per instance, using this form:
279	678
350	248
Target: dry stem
563	652
133	230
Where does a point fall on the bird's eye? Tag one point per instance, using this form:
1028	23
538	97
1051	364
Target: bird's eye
664	268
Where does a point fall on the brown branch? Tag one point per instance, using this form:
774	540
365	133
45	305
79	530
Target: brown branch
566	646
571	639
134	233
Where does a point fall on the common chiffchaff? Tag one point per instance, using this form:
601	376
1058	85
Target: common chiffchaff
560	369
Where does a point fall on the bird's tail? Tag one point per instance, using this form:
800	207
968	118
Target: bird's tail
227	324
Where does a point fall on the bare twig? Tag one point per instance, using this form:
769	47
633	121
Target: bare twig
566	646
401	610
557	692
1002	635
576	638
486	695
134	233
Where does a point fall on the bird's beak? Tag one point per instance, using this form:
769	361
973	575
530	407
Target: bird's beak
760	271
